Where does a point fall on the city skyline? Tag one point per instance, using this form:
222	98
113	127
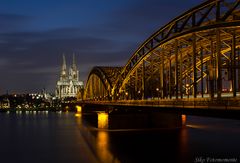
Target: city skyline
35	35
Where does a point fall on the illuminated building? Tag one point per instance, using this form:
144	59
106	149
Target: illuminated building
5	103
69	84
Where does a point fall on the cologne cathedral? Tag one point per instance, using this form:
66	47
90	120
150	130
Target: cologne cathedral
69	84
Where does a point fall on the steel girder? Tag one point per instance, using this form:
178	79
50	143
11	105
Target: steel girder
188	54
100	82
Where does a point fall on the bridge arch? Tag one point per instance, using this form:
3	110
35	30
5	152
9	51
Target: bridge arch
195	54
100	83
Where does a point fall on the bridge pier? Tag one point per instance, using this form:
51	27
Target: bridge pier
122	118
144	120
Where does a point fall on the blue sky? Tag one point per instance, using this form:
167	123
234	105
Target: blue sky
35	34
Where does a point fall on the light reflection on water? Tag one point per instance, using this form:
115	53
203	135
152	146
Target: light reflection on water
103	148
198	138
197	126
122	145
98	139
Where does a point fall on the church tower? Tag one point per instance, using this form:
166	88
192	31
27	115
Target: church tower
73	72
63	75
69	84
74	68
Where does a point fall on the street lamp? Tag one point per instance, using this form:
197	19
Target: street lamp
157	89
138	96
126	95
187	90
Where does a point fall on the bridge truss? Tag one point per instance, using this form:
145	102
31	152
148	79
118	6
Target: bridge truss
197	54
100	82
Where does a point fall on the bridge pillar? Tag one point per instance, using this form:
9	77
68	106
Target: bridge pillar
181	76
233	64
211	72
162	76
107	117
136	85
207	77
144	120
201	58
170	79
130	89
143	80
218	64
187	78
238	63
176	69
194	55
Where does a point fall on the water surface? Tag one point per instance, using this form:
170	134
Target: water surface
62	137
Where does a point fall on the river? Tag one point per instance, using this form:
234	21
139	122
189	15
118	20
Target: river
32	137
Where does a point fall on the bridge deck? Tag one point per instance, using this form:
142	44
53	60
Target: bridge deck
205	103
225	107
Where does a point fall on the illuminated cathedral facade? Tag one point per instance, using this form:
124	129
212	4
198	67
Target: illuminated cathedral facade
69	84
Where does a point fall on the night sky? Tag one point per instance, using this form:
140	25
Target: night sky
34	34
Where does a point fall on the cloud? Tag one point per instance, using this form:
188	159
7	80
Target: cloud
41	59
41	70
31	56
5	17
3	62
137	21
13	22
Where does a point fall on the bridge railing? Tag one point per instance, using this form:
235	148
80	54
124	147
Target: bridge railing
204	103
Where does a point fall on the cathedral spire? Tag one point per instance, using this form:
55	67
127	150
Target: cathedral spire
74	69
74	66
64	68
69	84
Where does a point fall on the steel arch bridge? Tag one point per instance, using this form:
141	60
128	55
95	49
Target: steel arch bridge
100	82
196	55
